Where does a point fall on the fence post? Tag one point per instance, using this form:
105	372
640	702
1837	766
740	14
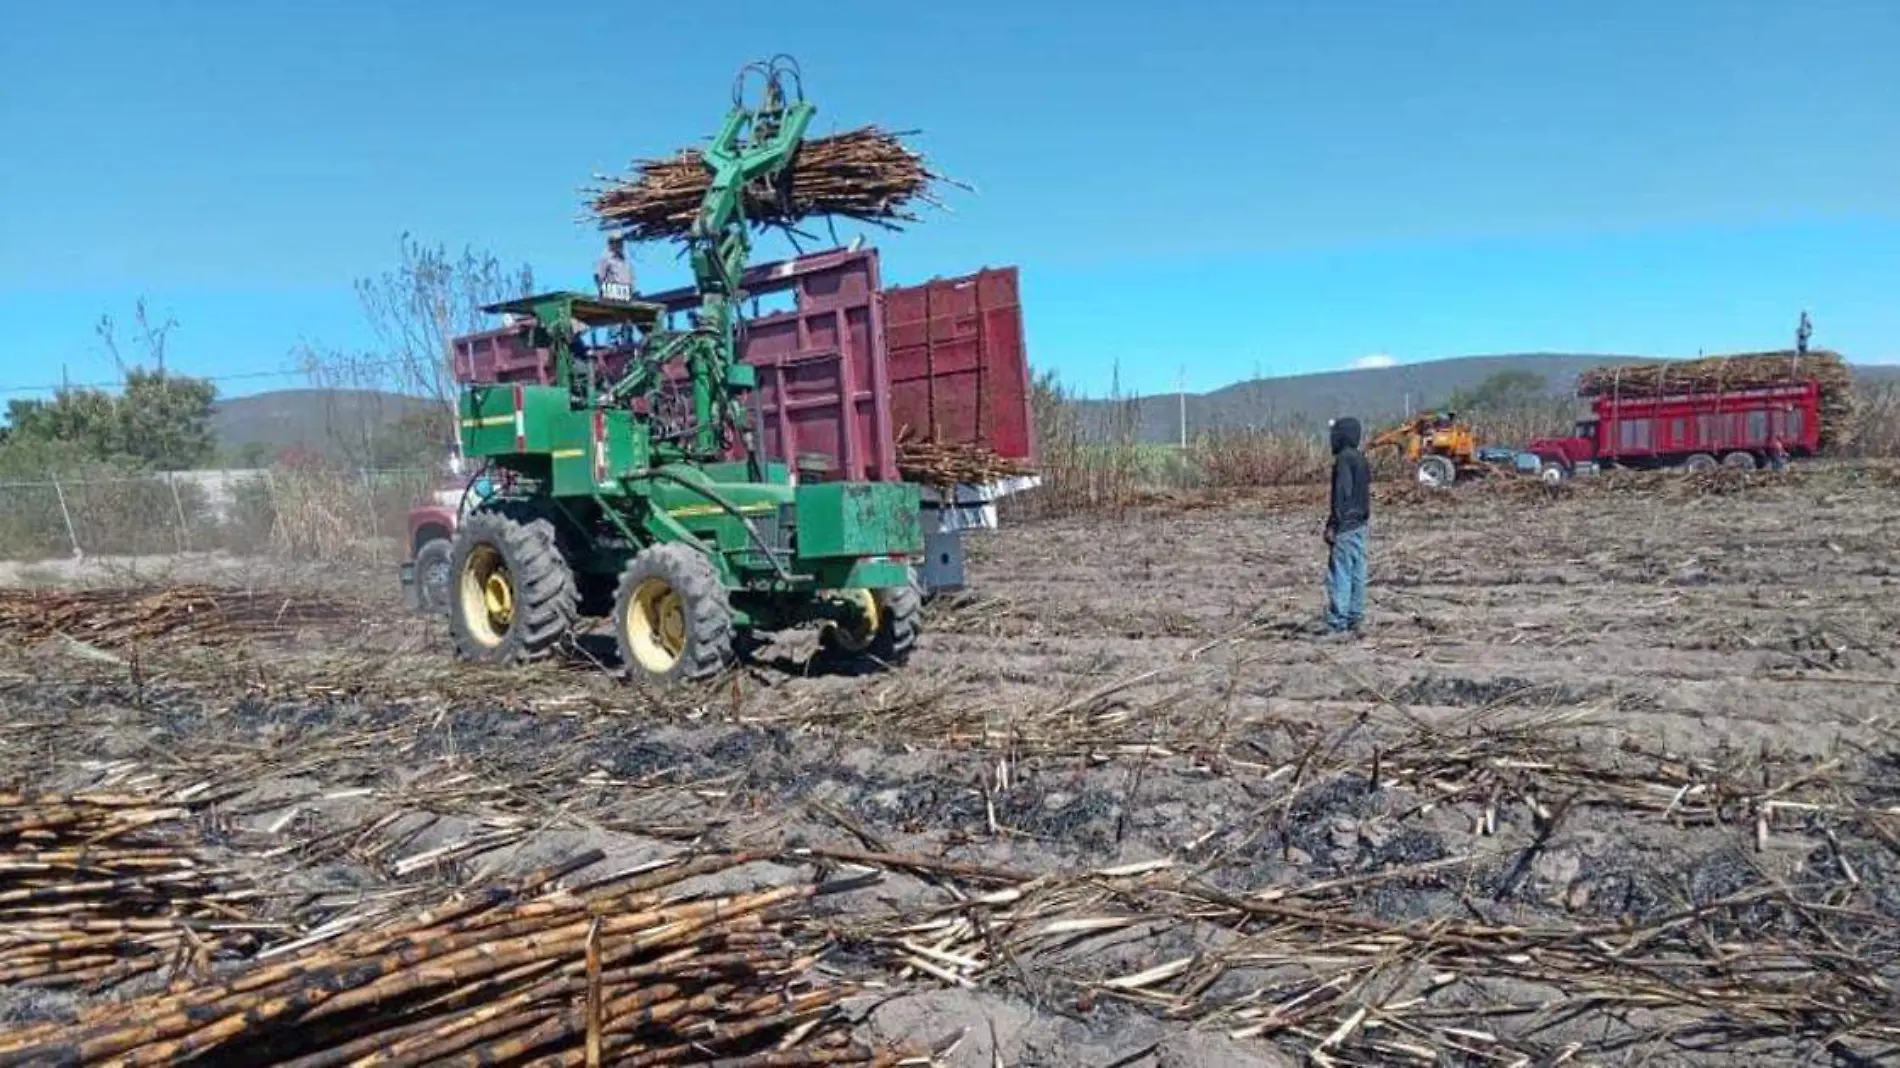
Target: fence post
184	533
369	489
67	514
275	538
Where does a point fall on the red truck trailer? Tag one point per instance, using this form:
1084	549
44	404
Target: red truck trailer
1693	429
842	371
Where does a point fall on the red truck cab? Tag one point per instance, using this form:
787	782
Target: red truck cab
432	522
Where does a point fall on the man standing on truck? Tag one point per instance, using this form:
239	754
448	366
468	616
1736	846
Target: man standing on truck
613	275
1346	523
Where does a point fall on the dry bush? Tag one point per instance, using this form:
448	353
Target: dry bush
1085	464
31	527
319	513
110	511
1235	459
1876	434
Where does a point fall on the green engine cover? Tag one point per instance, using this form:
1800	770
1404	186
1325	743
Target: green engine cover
858	519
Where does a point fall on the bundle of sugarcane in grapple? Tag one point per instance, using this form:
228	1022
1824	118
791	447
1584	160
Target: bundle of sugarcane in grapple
865	174
626	975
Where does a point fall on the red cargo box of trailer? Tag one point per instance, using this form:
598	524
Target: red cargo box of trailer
850	363
958	372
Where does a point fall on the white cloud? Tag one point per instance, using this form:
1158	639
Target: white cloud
1376	359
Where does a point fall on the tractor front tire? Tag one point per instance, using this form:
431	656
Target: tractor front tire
673	616
511	593
1437	472
897	621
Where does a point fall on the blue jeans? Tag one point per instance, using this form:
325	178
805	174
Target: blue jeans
1346	580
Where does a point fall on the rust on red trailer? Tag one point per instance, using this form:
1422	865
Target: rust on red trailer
822	390
957	367
850	363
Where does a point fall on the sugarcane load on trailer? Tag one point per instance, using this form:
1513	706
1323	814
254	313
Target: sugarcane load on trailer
626	479
1741	411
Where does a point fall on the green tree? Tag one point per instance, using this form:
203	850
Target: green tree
159	421
1505	391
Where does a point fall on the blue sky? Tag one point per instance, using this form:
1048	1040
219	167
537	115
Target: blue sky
1223	187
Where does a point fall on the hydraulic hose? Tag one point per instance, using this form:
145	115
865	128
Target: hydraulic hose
726	506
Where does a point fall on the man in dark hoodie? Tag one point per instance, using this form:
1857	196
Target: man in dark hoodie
1346	530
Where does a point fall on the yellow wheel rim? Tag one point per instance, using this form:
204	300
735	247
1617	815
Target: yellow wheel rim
487	594
656	626
858	638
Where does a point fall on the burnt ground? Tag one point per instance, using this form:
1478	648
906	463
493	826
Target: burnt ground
1614	777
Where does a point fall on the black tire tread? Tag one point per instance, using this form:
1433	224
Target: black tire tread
898	629
444	548
709	647
546	597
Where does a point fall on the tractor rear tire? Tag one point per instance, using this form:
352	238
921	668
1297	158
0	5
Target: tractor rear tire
899	621
1436	472
511	593
673	616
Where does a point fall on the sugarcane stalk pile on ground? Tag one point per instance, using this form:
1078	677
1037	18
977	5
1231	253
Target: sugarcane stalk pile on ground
98	889
123	616
865	174
937	463
1754	370
624	975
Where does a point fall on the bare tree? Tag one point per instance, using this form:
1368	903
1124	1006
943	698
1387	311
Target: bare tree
415	311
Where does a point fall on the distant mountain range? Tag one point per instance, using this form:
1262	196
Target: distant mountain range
320	420
313	418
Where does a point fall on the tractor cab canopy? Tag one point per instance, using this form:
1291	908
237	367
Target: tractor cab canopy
590	312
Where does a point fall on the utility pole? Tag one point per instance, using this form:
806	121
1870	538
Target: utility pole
1180	389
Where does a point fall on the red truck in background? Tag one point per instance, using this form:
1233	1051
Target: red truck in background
1693	429
842	371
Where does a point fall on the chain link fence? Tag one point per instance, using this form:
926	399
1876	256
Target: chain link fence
302	514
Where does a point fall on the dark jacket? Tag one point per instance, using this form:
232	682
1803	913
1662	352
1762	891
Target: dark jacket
1352	480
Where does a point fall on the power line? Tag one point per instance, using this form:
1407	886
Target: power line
235	376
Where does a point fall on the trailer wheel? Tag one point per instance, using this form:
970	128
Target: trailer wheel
1741	461
1437	471
1701	461
673	616
894	618
512	594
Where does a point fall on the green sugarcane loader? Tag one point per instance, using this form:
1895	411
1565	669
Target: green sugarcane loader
614	491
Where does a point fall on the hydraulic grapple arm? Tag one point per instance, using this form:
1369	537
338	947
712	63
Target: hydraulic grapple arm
756	145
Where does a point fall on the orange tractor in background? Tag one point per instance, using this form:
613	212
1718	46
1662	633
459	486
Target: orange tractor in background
1438	448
